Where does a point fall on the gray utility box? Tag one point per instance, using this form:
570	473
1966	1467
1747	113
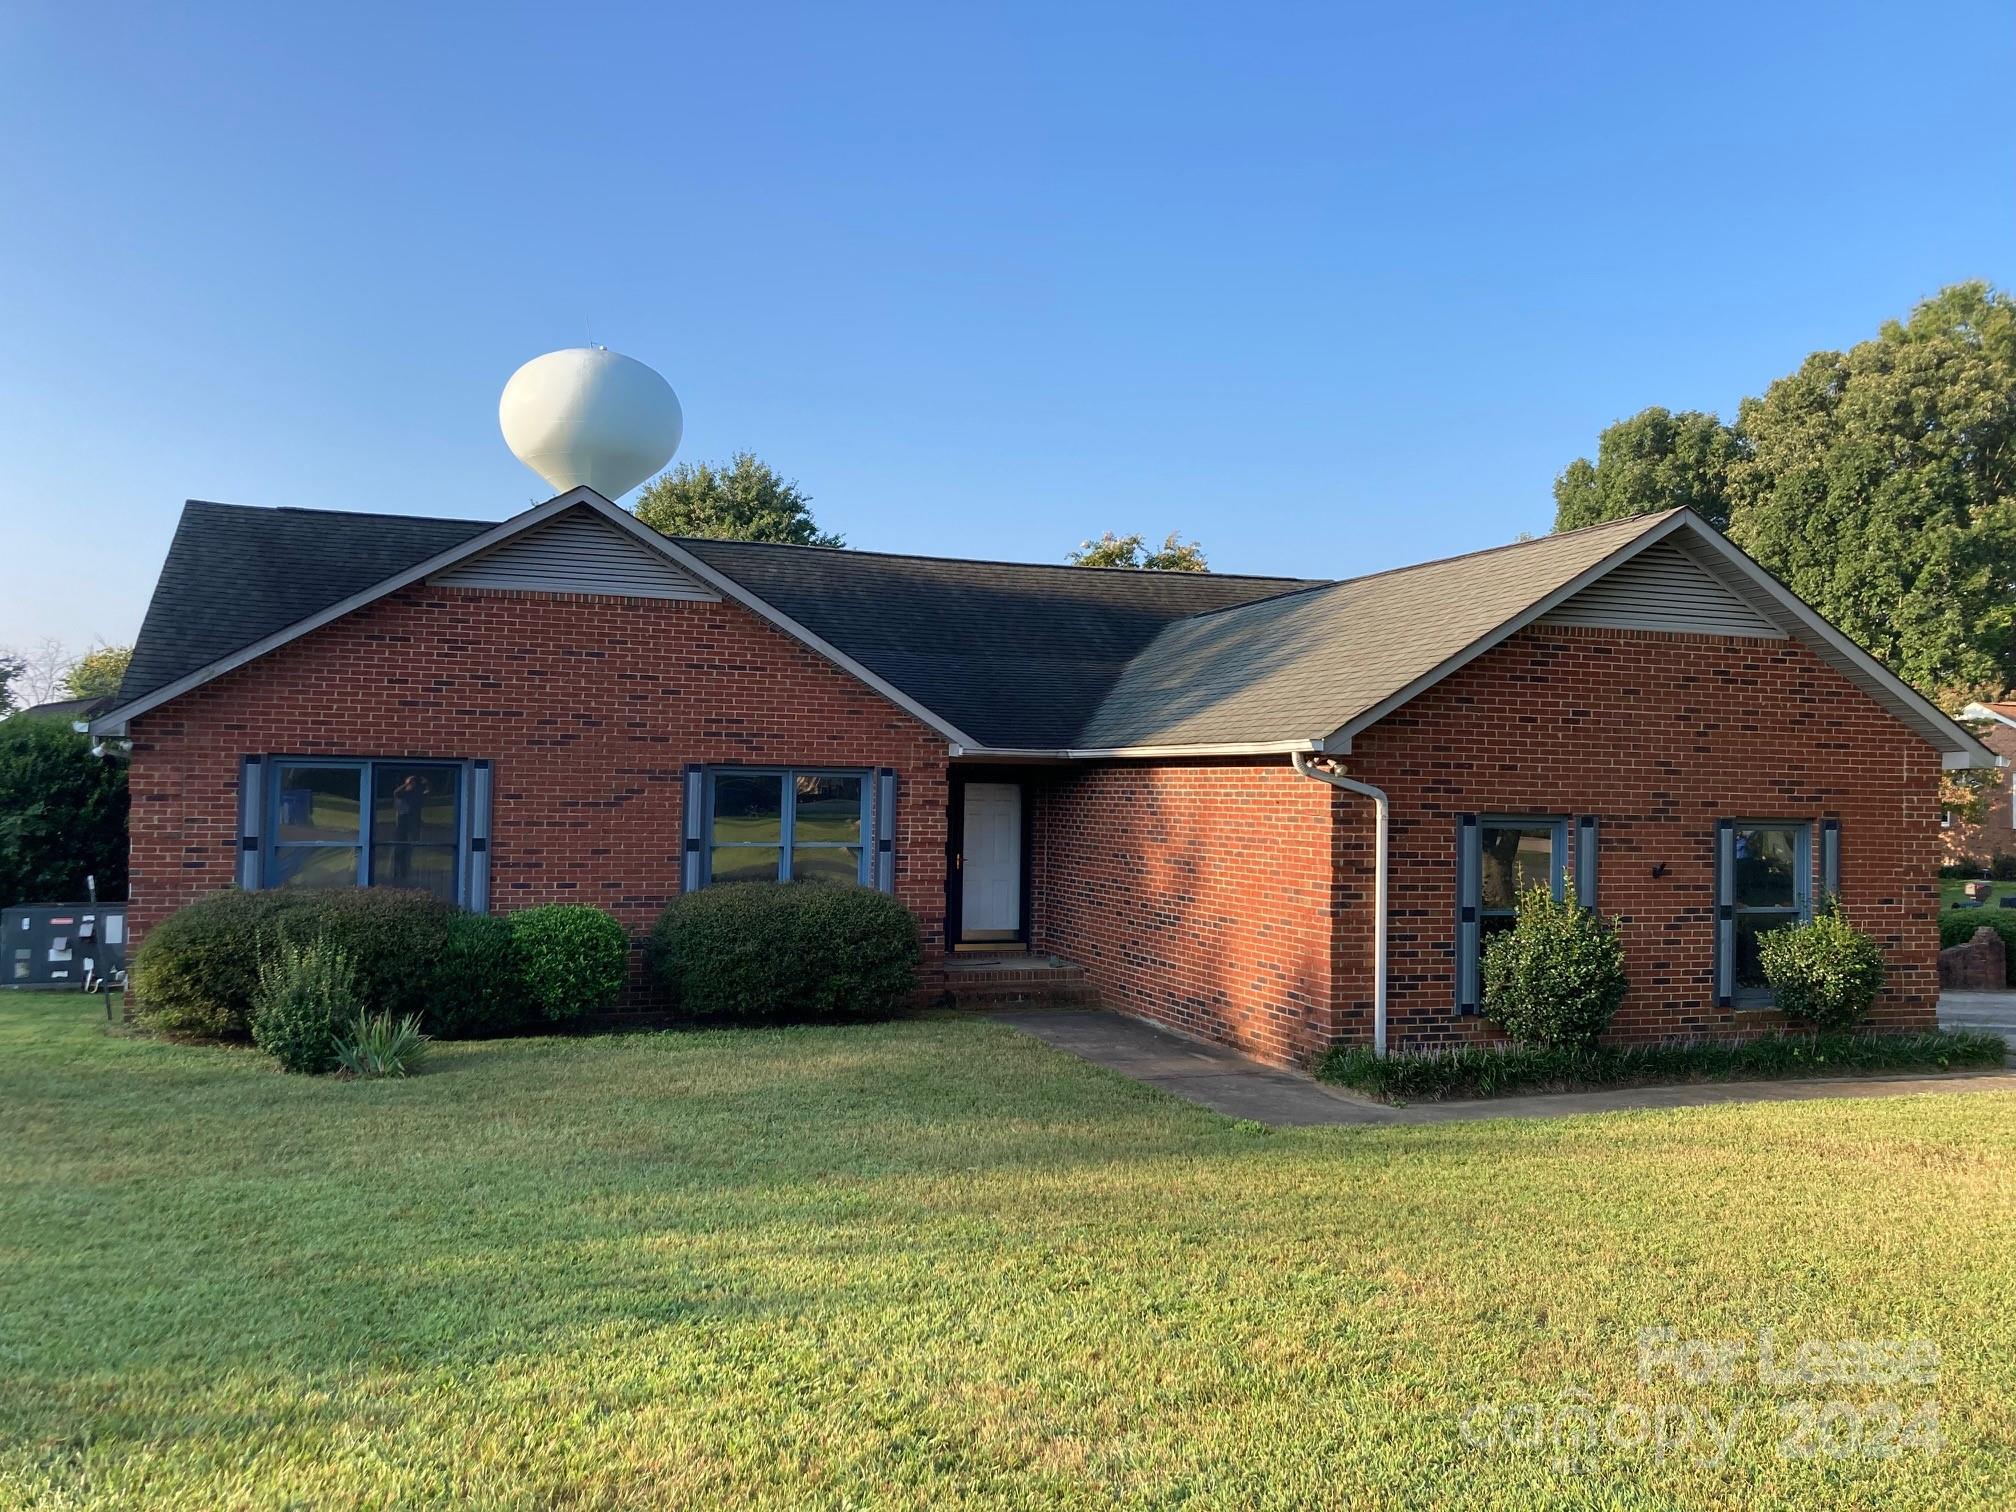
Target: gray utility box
62	944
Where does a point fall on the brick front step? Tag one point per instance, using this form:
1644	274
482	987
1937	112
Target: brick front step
1036	980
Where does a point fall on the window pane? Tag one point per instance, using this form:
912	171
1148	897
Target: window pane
747	863
314	866
429	867
413	805
826	863
319	803
1766	859
749	806
1749	973
829	808
1516	857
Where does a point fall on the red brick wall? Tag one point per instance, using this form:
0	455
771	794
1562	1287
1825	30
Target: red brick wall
1659	736
590	707
1198	894
1224	900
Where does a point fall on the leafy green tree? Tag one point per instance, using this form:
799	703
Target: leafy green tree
744	501
98	672
1652	461
1880	484
62	814
1174	554
11	668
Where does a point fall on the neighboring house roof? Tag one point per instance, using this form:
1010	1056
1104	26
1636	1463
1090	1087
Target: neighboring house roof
2001	713
1018	658
72	709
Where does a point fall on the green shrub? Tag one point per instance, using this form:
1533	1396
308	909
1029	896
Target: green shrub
1491	1071
760	952
2003	867
303	993
478	989
196	971
394	935
571	958
373	1046
1556	977
1825	972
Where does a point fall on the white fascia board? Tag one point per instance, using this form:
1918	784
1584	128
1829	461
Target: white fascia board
1958	749
1340	738
1982	711
114	721
1135	753
729	588
1958	752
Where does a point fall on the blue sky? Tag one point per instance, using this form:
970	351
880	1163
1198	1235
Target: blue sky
1329	287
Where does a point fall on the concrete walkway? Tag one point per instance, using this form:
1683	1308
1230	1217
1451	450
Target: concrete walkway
1227	1082
1993	1011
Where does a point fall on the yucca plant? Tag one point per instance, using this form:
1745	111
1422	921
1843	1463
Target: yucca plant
376	1046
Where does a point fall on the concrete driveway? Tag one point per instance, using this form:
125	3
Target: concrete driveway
1995	1011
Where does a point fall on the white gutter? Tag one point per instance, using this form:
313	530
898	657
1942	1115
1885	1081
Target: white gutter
1121	753
1380	810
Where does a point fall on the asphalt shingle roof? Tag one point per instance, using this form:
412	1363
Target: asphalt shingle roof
1303	665
236	574
1015	654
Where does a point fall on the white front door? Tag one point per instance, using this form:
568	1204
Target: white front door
990	872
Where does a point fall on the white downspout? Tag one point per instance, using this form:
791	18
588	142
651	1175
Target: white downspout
1379	809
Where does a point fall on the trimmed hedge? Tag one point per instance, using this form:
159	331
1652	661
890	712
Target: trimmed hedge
477	990
1487	1071
571	959
1957	926
460	975
1824	972
197	969
766	952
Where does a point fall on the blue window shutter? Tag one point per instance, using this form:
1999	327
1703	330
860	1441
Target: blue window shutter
885	830
1830	857
1585	862
696	827
252	824
1469	905
476	879
1725	913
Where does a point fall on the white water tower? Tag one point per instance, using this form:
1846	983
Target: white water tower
587	415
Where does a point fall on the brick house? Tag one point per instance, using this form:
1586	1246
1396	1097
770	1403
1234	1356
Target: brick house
1977	842
1276	812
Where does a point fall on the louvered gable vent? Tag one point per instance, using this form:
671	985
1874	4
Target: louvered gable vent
577	552
1663	588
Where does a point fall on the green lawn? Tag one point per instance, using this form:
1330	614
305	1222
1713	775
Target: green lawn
1951	891
935	1264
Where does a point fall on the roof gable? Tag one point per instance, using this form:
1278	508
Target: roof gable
577	552
1009	658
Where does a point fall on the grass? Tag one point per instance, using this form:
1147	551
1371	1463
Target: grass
1489	1071
934	1264
1952	890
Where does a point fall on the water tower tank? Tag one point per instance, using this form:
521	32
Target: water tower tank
587	415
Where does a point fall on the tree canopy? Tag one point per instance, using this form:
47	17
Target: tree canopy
1652	461
1879	483
744	501
11	668
62	814
1174	554
98	672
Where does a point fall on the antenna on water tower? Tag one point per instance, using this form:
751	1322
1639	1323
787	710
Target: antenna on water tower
590	416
